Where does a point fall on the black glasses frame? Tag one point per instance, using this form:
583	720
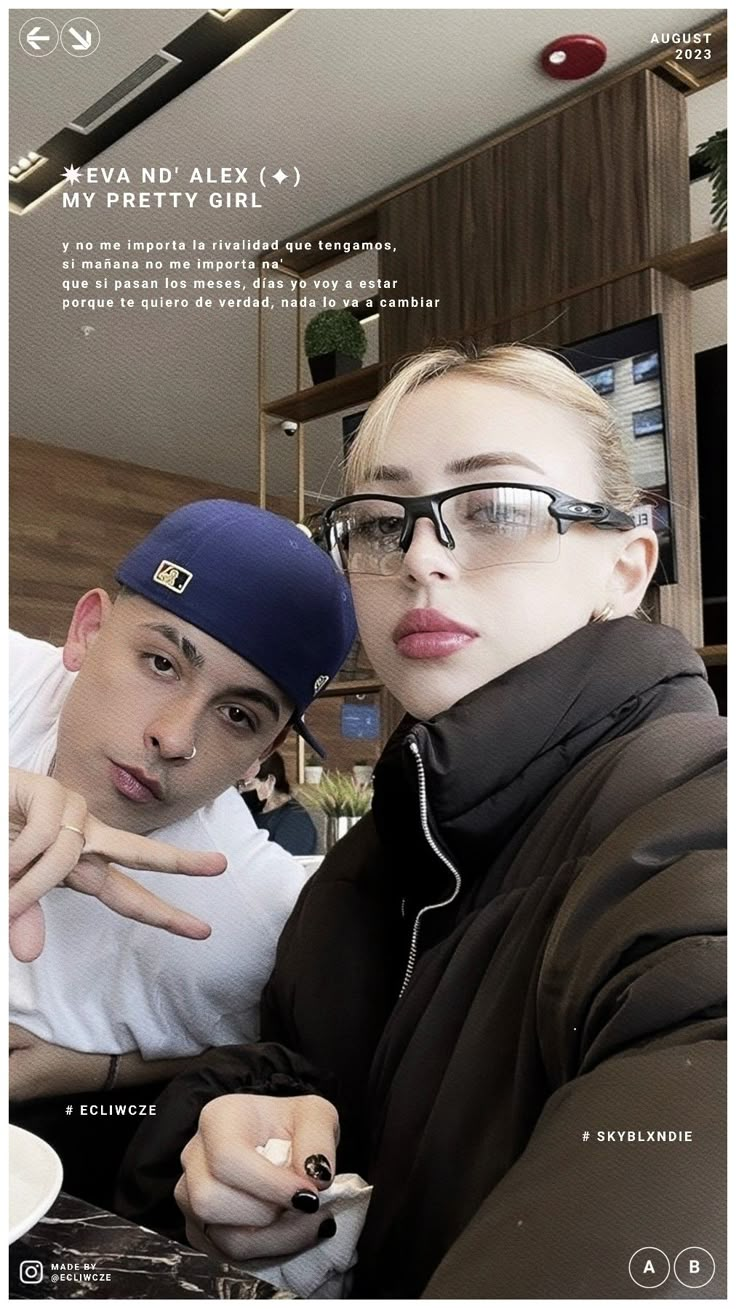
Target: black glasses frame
565	510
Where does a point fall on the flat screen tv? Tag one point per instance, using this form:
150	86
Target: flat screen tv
625	367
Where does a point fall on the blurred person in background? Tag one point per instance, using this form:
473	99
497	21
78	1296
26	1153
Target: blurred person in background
275	809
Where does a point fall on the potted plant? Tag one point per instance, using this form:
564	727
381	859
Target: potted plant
342	800
313	770
712	155
363	771
334	343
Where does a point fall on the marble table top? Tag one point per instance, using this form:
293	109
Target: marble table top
87	1253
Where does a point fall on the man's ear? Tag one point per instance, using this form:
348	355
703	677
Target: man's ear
89	614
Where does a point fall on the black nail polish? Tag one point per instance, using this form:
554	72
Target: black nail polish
306	1201
327	1228
318	1167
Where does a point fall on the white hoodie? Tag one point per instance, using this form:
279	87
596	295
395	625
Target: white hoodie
107	984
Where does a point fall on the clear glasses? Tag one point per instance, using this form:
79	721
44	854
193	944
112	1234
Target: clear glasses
487	524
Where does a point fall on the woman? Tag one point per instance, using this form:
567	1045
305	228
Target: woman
519	950
269	798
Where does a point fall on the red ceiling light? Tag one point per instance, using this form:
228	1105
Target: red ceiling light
572	57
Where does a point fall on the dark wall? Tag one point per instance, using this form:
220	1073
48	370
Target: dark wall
710	384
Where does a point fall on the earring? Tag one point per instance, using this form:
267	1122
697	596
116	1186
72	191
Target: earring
604	615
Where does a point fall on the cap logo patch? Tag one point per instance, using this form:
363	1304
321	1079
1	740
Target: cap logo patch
172	576
321	681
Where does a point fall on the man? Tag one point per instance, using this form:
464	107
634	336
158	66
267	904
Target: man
230	621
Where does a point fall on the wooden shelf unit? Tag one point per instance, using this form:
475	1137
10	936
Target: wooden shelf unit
359	686
698	264
694	75
316	260
712	655
343	392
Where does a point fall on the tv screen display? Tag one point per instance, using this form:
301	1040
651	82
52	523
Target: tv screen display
625	367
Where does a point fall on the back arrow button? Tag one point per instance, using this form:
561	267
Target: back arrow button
38	36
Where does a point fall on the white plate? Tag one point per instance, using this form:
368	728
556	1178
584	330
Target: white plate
35	1180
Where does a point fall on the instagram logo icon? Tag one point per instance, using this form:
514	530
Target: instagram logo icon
31	1272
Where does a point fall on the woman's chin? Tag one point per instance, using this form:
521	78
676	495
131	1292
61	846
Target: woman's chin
427	687
429	705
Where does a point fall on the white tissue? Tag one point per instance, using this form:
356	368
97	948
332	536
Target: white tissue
320	1273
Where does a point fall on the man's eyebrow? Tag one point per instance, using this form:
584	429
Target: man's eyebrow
471	464
192	655
187	647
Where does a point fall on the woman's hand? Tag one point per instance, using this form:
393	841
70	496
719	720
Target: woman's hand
54	839
38	1068
238	1204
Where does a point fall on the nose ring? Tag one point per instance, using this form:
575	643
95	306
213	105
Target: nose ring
191	756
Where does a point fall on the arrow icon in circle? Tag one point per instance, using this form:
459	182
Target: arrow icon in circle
82	42
34	36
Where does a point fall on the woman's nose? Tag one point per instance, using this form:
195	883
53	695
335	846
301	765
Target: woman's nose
426	556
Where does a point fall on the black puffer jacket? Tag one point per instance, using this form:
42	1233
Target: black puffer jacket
566	823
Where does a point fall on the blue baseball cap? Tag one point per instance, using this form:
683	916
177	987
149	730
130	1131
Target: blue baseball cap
256	582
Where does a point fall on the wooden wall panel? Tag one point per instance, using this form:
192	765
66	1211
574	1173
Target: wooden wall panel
73	517
585	196
681	605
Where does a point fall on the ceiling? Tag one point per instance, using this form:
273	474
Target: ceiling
357	99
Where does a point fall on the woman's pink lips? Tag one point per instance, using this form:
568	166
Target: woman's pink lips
428	620
433	645
129	786
429	634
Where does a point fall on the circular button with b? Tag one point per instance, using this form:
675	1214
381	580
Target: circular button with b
694	1267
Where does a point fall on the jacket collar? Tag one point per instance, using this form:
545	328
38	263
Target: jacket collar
491	758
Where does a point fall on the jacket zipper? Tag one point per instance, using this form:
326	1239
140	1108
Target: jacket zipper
436	850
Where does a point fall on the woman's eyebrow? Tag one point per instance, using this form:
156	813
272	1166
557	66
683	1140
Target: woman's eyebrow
492	459
470	464
389	473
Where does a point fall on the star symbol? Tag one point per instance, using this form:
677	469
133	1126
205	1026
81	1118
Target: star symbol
72	174
280	176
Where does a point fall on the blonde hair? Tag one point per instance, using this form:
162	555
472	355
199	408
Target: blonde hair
529	368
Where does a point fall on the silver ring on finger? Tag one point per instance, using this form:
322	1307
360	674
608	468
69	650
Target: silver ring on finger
69	827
